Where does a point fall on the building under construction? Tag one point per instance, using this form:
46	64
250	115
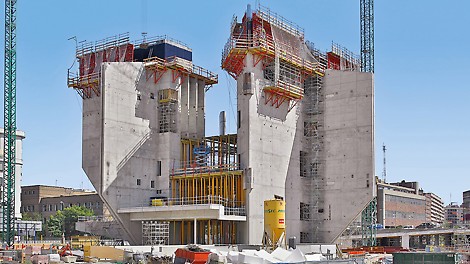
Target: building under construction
305	134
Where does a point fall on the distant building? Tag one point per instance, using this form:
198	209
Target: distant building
20	135
47	200
453	214
400	204
466	206
434	209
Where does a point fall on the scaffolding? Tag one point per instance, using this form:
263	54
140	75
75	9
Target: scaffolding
90	56
368	224
155	233
279	46
167	110
156	68
343	59
208	173
312	160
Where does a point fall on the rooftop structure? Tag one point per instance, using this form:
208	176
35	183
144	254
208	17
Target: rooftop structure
304	134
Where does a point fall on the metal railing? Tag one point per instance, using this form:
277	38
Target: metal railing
230	207
96	218
179	63
191	168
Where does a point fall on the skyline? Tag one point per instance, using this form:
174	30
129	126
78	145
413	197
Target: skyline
415	80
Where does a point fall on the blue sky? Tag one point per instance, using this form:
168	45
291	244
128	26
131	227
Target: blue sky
421	77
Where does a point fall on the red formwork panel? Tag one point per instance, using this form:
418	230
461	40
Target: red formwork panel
334	61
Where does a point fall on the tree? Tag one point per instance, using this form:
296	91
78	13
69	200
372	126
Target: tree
64	221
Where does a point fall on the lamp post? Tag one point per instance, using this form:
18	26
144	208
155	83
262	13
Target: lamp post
63	223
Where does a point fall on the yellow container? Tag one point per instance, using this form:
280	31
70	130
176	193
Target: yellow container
274	219
157	202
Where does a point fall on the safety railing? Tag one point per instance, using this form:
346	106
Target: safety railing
279	21
230	207
182	64
265	43
76	81
96	218
192	168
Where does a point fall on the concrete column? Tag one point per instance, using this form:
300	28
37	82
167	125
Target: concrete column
201	86
195	231
192	107
405	241
184	106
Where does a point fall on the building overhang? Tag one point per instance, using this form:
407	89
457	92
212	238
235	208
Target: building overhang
180	212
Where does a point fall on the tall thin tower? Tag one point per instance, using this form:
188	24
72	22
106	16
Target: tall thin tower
9	151
384	173
369	215
367	35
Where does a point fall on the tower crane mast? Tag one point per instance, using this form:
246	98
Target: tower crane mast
9	140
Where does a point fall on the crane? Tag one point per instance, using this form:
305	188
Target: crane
367	35
9	140
369	214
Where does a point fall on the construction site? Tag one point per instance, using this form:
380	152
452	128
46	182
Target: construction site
298	172
305	121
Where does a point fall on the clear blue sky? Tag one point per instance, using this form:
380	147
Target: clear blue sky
422	88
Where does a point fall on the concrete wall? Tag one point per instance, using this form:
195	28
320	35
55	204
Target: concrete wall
265	141
122	143
348	158
349	148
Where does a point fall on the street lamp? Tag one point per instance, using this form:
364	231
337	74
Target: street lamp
63	223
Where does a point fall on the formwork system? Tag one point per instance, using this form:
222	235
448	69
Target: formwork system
273	41
208	174
155	232
91	55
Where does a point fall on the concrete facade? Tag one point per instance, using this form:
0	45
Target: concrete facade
123	148
270	140
20	135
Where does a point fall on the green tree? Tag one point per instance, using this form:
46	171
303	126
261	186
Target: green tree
31	216
64	221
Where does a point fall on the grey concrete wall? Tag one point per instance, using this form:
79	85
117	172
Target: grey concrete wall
122	145
265	141
349	148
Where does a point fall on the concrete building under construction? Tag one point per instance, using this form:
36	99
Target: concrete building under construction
305	134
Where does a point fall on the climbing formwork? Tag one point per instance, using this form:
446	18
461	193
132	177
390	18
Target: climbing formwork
280	48
91	55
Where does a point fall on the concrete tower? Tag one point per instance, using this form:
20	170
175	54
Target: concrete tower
305	127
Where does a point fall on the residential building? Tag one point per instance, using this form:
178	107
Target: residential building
434	209
466	206
453	214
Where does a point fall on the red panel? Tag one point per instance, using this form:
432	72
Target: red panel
91	67
334	61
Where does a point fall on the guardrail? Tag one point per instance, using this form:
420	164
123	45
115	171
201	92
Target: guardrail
230	207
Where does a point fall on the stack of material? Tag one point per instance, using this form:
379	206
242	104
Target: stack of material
29	252
40	259
279	255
